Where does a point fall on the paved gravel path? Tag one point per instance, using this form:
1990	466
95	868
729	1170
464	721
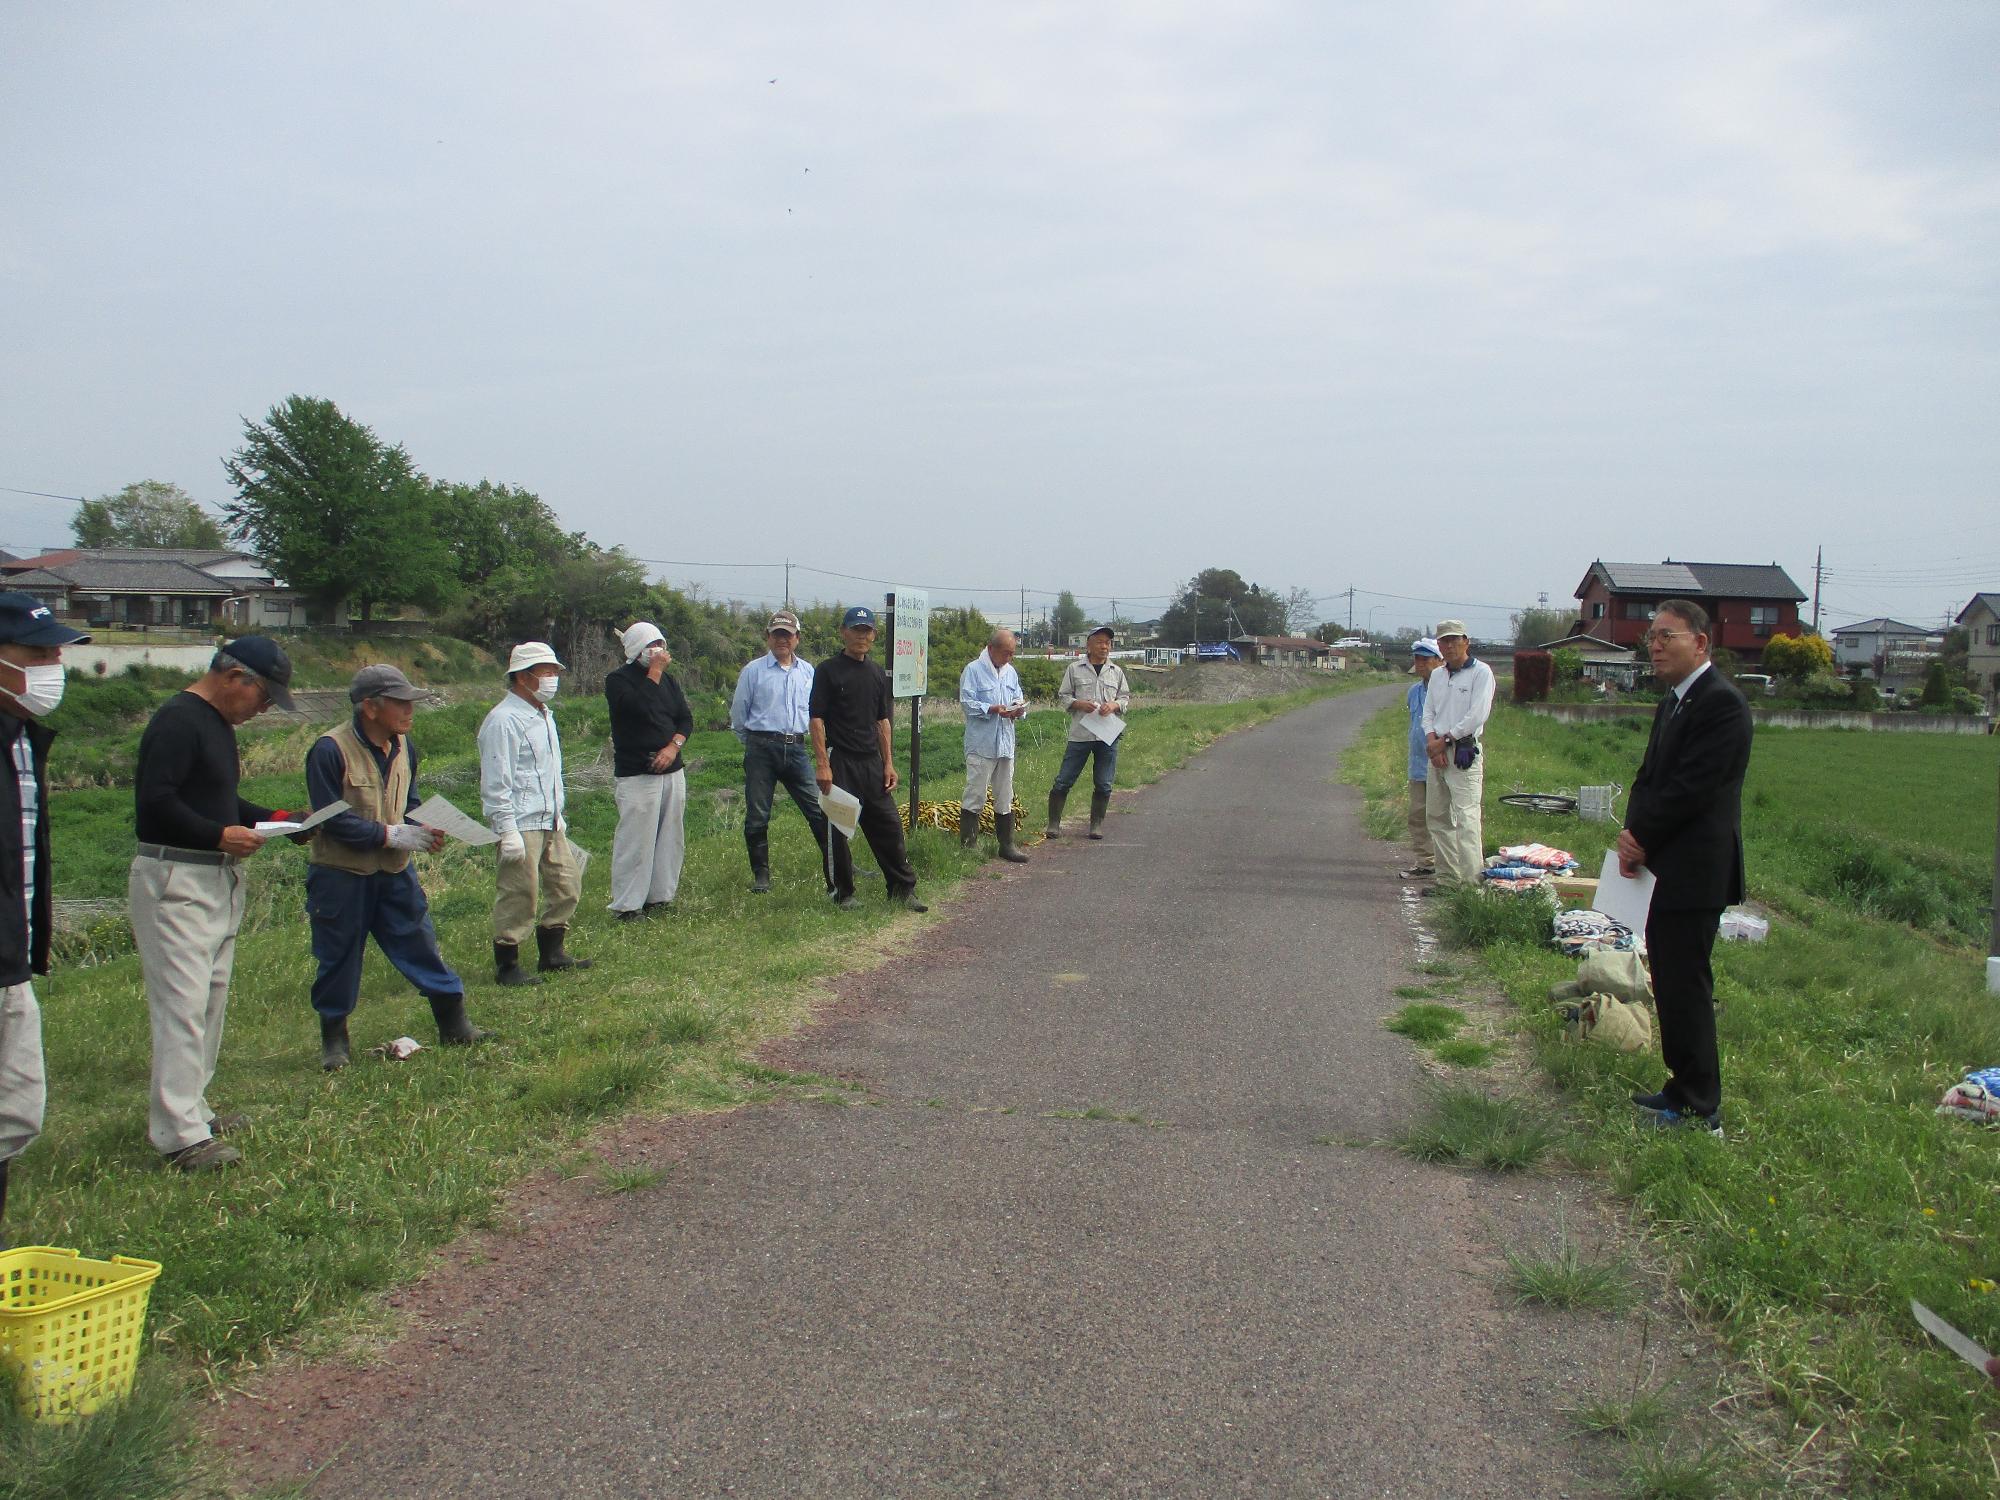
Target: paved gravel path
955	1288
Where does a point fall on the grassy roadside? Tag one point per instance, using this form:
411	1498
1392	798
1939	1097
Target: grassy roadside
351	1180
1839	1194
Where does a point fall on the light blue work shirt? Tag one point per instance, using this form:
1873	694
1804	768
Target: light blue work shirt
520	768
772	699
1420	758
983	687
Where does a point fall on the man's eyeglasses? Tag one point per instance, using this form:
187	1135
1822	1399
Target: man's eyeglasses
1661	637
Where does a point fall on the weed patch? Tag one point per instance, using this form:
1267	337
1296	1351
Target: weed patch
1426	1023
1664	1474
1462	1124
1469	918
1464	1052
1639	1415
139	1448
1569	1281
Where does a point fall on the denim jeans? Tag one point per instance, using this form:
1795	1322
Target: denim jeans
1076	752
767	762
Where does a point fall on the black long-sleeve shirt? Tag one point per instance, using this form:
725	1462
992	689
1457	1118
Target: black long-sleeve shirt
187	777
644	715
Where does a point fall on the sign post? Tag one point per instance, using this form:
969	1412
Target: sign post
910	649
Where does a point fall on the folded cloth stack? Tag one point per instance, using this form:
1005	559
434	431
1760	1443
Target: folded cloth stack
1976	1099
1515	878
1579	932
1541	856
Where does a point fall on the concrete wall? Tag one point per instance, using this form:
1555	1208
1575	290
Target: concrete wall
116	659
1782	718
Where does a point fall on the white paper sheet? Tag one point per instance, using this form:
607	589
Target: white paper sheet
1621	899
281	826
842	809
1106	727
437	812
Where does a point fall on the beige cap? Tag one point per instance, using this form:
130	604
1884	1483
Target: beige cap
1451	627
783	619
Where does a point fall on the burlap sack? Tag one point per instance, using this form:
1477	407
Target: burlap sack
1612	973
1610	1022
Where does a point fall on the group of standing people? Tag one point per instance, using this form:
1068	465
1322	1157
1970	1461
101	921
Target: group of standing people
1683	824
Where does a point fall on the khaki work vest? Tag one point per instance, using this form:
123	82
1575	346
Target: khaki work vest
361	788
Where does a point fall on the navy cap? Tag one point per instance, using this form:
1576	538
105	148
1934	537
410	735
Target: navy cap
861	614
26	621
265	658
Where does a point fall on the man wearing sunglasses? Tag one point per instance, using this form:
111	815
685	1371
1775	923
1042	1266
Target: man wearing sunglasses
1684	822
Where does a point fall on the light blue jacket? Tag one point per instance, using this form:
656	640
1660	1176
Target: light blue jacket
983	687
1420	759
520	768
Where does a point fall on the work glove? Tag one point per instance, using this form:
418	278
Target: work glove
412	836
513	847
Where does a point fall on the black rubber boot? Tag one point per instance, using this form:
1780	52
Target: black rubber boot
1100	804
507	965
333	1052
454	1030
554	958
968	829
1056	801
1013	856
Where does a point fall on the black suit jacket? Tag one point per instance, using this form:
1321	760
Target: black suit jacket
1686	808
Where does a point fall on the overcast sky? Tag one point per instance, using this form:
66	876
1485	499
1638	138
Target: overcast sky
1434	300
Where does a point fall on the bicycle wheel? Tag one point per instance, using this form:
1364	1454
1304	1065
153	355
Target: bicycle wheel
1541	802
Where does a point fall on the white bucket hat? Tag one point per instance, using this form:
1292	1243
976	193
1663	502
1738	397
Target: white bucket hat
533	654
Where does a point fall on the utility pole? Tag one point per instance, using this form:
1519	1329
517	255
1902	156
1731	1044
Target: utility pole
1024	611
1350	609
788	583
1819	558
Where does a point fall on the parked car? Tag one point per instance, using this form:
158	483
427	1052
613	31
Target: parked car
1756	682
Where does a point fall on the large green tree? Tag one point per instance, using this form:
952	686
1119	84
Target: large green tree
151	513
1537	627
1066	619
335	512
1216	604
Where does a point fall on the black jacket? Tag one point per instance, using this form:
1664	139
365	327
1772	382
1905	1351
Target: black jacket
1686	808
24	936
645	715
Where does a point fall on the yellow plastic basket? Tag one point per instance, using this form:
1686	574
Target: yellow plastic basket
70	1327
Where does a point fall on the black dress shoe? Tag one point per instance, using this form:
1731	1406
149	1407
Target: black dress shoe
1653	1101
631	916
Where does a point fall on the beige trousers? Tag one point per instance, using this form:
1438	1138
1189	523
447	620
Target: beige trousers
23	1087
983	771
1452	809
1420	825
184	921
549	875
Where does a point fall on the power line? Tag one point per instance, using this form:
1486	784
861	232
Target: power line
43	494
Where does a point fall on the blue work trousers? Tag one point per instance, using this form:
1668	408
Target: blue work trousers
1076	752
345	909
767	762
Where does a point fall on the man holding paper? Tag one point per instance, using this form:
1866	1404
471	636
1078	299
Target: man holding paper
989	690
186	885
521	793
1095	694
359	880
1684	823
853	750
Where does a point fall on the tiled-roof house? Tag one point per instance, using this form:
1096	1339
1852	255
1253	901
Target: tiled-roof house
1748	603
1981	619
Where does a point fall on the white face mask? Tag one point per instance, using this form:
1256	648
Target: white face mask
43	689
545	689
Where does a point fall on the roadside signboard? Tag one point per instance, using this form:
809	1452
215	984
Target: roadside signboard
912	647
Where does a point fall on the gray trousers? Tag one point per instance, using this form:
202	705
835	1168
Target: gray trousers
651	842
184	920
23	1087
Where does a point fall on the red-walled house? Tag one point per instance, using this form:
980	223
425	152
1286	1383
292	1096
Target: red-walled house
1748	603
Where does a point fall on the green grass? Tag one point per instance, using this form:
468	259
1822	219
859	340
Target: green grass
1464	1052
1671	1473
1839	1194
1426	1023
1465	1125
1570	1280
138	1448
1639	1415
352	1179
630	1179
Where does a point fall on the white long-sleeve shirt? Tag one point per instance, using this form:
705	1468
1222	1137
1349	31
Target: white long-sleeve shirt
1456	703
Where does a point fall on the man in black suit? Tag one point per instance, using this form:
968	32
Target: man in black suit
1684	822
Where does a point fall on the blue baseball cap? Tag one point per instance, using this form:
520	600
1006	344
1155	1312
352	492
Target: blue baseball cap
861	614
26	621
